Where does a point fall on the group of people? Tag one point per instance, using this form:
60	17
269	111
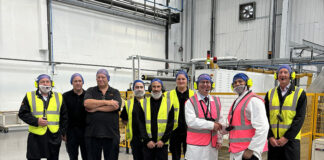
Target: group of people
179	120
86	119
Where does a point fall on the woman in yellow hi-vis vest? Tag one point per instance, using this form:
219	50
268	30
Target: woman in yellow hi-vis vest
159	119
178	98
46	115
286	108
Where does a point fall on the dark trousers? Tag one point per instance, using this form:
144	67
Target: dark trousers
176	140
43	146
291	151
137	150
75	139
109	146
156	153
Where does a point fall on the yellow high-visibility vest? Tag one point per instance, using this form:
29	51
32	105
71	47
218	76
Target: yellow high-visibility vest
176	105
288	111
129	108
52	113
162	118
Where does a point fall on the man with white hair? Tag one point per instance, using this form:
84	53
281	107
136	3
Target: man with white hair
45	113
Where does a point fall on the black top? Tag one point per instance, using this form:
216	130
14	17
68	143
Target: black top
155	106
124	115
183	97
102	124
298	120
75	108
26	115
138	120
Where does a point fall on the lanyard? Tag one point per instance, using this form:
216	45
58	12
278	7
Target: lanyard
232	112
208	111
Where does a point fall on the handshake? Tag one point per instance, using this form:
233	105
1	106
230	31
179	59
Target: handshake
217	126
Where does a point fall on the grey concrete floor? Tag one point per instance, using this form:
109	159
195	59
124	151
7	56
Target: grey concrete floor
13	146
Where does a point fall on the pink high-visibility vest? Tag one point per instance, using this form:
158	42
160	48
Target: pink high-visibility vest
204	137
241	136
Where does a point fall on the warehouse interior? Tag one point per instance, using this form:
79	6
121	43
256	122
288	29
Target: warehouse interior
147	39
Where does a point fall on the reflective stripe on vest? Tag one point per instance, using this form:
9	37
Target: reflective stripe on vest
52	113
242	133
163	114
176	105
34	112
289	108
204	137
129	108
288	111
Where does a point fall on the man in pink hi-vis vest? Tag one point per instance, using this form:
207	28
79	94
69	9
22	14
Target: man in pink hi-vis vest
247	122
202	115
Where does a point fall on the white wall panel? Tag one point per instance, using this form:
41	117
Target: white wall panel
21	36
307	21
80	36
17	78
202	28
20	29
245	40
89	37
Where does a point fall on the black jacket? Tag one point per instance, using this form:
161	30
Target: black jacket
75	109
